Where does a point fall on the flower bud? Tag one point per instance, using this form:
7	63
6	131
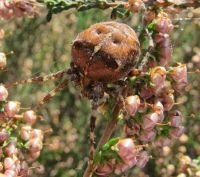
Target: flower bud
3	136
9	163
126	149
149	16
37	133
34	145
176	132
147	136
33	156
149	121
10	173
162	141
25	132
12	108
11	149
134	5
163	23
3	61
175	119
158	76
179	75
3	93
142	159
105	169
29	117
132	104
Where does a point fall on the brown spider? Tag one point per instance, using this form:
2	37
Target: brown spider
102	54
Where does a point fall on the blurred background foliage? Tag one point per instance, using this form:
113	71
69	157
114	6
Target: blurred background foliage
40	47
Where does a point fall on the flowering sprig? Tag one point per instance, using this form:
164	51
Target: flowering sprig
20	143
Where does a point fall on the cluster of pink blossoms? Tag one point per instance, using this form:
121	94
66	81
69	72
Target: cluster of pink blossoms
130	155
152	110
150	115
20	143
17	8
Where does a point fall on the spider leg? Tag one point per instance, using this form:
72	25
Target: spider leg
52	93
92	138
38	79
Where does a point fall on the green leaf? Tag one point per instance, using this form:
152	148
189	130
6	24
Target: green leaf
151	26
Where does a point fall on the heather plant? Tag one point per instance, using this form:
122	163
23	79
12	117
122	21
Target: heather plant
128	77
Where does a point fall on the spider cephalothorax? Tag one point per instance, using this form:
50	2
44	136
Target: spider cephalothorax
104	53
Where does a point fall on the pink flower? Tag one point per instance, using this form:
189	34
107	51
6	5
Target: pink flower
3	61
163	23
176	132
159	109
10	173
126	149
175	118
11	149
3	93
179	75
150	120
135	5
9	163
3	136
158	76
29	117
25	132
147	136
142	159
105	169
17	8
132	104
162	141
12	108
167	99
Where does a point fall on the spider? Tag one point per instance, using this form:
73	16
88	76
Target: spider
102	57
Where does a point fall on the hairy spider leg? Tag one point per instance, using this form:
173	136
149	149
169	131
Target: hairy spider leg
38	79
92	138
52	93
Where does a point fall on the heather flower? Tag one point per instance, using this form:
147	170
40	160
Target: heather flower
29	117
167	99
158	76
132	104
3	136
162	141
146	92
126	149
134	5
105	169
142	159
147	136
3	93
12	108
179	75
17	8
25	132
176	132
163	23
175	119
150	120
3	60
